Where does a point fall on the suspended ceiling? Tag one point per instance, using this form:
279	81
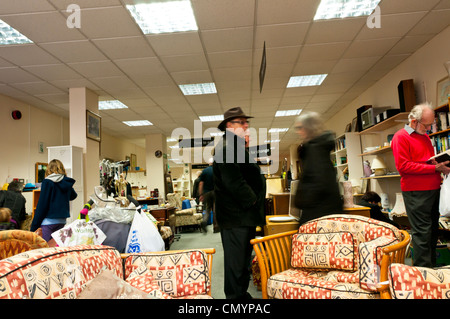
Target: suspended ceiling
110	55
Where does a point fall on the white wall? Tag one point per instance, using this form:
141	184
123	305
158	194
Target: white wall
19	142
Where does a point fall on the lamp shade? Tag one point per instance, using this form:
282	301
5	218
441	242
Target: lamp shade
399	207
378	166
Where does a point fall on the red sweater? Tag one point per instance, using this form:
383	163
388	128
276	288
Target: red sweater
411	152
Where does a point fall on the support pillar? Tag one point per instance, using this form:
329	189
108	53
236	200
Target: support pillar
156	162
81	100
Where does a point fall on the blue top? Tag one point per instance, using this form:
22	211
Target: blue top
56	193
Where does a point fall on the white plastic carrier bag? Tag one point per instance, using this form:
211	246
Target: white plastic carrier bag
143	236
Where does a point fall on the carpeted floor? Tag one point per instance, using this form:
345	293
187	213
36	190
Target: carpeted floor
195	239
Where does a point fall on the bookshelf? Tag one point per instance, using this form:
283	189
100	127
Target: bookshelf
346	157
440	137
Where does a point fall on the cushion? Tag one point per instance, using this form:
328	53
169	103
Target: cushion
325	251
370	255
408	282
304	284
106	285
57	272
364	228
178	274
142	279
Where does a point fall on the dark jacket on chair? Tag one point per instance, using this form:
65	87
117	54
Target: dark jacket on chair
239	186
318	191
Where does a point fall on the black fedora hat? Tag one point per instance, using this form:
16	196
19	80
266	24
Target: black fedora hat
230	114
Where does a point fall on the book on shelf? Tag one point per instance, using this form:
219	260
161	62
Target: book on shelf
441	157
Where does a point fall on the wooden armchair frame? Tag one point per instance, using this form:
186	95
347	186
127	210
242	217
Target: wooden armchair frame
274	256
208	251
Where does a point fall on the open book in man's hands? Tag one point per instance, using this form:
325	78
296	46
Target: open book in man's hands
441	157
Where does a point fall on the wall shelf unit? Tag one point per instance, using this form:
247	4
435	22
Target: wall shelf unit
386	124
346	157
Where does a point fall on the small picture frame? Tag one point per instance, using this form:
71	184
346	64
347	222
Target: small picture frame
133	161
348	128
93	126
354	124
442	91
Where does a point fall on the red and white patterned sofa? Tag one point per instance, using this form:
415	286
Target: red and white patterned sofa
408	282
336	256
100	272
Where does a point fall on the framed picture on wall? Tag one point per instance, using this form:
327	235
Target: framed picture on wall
354	126
133	161
93	126
443	91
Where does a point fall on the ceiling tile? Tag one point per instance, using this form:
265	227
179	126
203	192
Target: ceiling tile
401	6
192	77
124	48
273	12
189	62
176	44
63	4
392	25
293	34
230	59
53	72
410	44
343	30
43	27
74	51
433	23
367	48
16	75
29	54
223	14
228	39
106	21
96	69
37	88
323	52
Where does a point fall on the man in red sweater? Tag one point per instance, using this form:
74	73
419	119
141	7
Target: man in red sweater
420	182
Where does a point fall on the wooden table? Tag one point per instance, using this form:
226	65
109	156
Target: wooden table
357	210
272	228
166	215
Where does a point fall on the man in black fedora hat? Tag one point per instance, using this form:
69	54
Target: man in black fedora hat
240	189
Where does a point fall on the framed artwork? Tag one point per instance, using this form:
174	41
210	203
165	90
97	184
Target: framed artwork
442	91
40	169
93	126
133	161
348	128
354	122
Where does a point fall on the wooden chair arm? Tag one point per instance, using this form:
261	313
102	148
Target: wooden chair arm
392	254
273	253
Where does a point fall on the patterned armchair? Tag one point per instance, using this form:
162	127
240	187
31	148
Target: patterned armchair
409	282
337	256
184	217
13	242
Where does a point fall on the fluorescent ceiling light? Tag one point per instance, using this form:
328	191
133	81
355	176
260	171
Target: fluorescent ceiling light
288	113
271	141
278	130
306	80
9	35
197	89
164	16
137	123
333	9
111	105
211	118
171	139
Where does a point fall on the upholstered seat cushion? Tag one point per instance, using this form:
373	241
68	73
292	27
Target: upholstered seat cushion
178	274
58	272
13	242
303	284
408	282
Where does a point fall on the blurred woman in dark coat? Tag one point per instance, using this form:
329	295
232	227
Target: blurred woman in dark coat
318	191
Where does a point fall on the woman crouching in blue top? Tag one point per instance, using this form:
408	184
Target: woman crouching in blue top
53	205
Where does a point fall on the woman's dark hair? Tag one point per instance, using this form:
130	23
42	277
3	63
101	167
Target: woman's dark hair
371	197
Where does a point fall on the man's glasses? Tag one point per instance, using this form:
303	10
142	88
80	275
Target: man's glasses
242	122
